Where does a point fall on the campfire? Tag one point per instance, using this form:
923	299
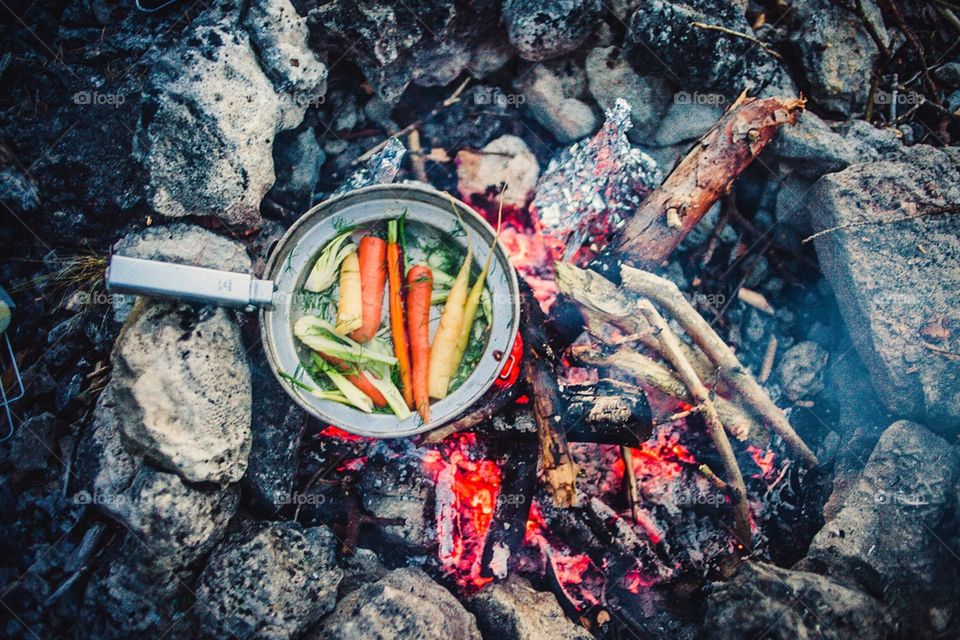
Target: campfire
694	267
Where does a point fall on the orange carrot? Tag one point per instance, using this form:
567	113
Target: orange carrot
358	378
372	254
398	329
419	289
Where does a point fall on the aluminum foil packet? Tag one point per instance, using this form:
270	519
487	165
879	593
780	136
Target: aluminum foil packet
381	168
590	189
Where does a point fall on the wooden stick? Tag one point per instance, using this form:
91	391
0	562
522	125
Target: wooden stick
736	488
701	178
666	294
559	469
630	479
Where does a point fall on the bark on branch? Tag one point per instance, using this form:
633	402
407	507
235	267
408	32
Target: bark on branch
701	178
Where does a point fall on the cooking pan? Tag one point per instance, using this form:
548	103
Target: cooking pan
430	217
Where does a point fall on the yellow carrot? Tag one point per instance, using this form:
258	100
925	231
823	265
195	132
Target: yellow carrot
350	305
473	300
444	345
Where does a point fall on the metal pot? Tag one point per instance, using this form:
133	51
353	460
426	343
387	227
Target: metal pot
429	216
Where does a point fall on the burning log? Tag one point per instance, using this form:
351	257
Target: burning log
701	178
517	483
625	363
737	490
736	375
559	470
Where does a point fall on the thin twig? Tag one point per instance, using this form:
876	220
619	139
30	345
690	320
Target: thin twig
768	358
865	223
737	488
630	478
746	36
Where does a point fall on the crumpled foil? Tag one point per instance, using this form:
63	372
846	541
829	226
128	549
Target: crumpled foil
381	168
591	188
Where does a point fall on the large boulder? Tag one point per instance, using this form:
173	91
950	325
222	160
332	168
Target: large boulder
214	85
405	603
279	38
268	581
889	537
514	609
765	601
891	251
182	390
542	30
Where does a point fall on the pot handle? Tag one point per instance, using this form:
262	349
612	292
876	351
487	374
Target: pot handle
184	282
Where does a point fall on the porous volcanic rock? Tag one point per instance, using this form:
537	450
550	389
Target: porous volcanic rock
405	603
514	609
272	580
546	29
766	601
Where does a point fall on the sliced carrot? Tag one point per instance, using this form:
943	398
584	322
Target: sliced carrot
419	289
398	329
358	378
372	255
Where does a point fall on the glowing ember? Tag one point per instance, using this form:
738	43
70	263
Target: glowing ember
633	581
332	431
764	460
467	493
575	572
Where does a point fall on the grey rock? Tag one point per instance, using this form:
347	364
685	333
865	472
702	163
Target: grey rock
270	581
179	522
18	189
514	609
948	74
793	203
506	160
212	85
279	38
542	30
440	65
811	148
888	535
567	118
611	77
490	54
182	390
801	370
104	466
663	41
394	45
883	141
402	491
184	244
836	52
766	601
361	567
132	597
406	603
898	282
297	158
32	444
686	120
